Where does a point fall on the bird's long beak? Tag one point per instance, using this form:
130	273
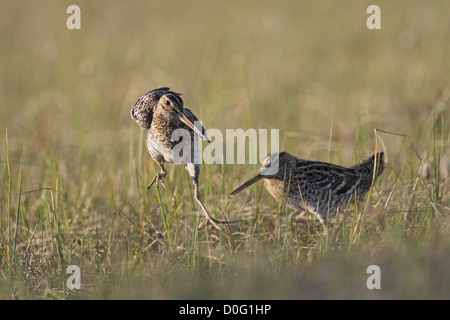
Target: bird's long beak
188	122
248	183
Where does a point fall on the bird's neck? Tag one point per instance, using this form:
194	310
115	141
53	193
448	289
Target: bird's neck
162	116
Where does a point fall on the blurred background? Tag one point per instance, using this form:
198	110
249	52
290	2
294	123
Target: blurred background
311	69
306	68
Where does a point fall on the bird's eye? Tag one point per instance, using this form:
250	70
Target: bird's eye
167	103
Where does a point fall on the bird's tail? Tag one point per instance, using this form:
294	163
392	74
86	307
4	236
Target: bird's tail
376	161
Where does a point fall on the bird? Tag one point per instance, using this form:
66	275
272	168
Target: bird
314	186
162	112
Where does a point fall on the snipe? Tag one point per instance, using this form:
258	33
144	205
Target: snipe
162	112
315	186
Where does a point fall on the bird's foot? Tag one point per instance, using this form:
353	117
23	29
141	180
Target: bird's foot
205	221
158	178
300	216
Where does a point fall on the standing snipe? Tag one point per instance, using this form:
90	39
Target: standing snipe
317	186
162	112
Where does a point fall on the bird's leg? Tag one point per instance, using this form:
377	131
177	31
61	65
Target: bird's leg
159	177
208	218
194	172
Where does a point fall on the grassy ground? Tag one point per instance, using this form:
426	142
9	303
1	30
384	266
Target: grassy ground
74	168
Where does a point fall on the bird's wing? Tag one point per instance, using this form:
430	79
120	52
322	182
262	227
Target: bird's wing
339	180
313	177
142	111
341	183
191	116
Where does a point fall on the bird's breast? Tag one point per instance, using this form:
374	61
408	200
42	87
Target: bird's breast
276	188
159	149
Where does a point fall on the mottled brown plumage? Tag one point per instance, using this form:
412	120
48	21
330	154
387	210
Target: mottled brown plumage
316	186
142	111
173	136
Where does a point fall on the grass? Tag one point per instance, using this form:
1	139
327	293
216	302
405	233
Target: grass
74	166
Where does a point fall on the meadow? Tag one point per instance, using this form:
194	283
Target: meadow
74	166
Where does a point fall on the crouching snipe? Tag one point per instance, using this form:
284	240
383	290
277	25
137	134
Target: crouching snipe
315	186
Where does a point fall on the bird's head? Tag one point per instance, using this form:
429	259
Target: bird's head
171	102
272	166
